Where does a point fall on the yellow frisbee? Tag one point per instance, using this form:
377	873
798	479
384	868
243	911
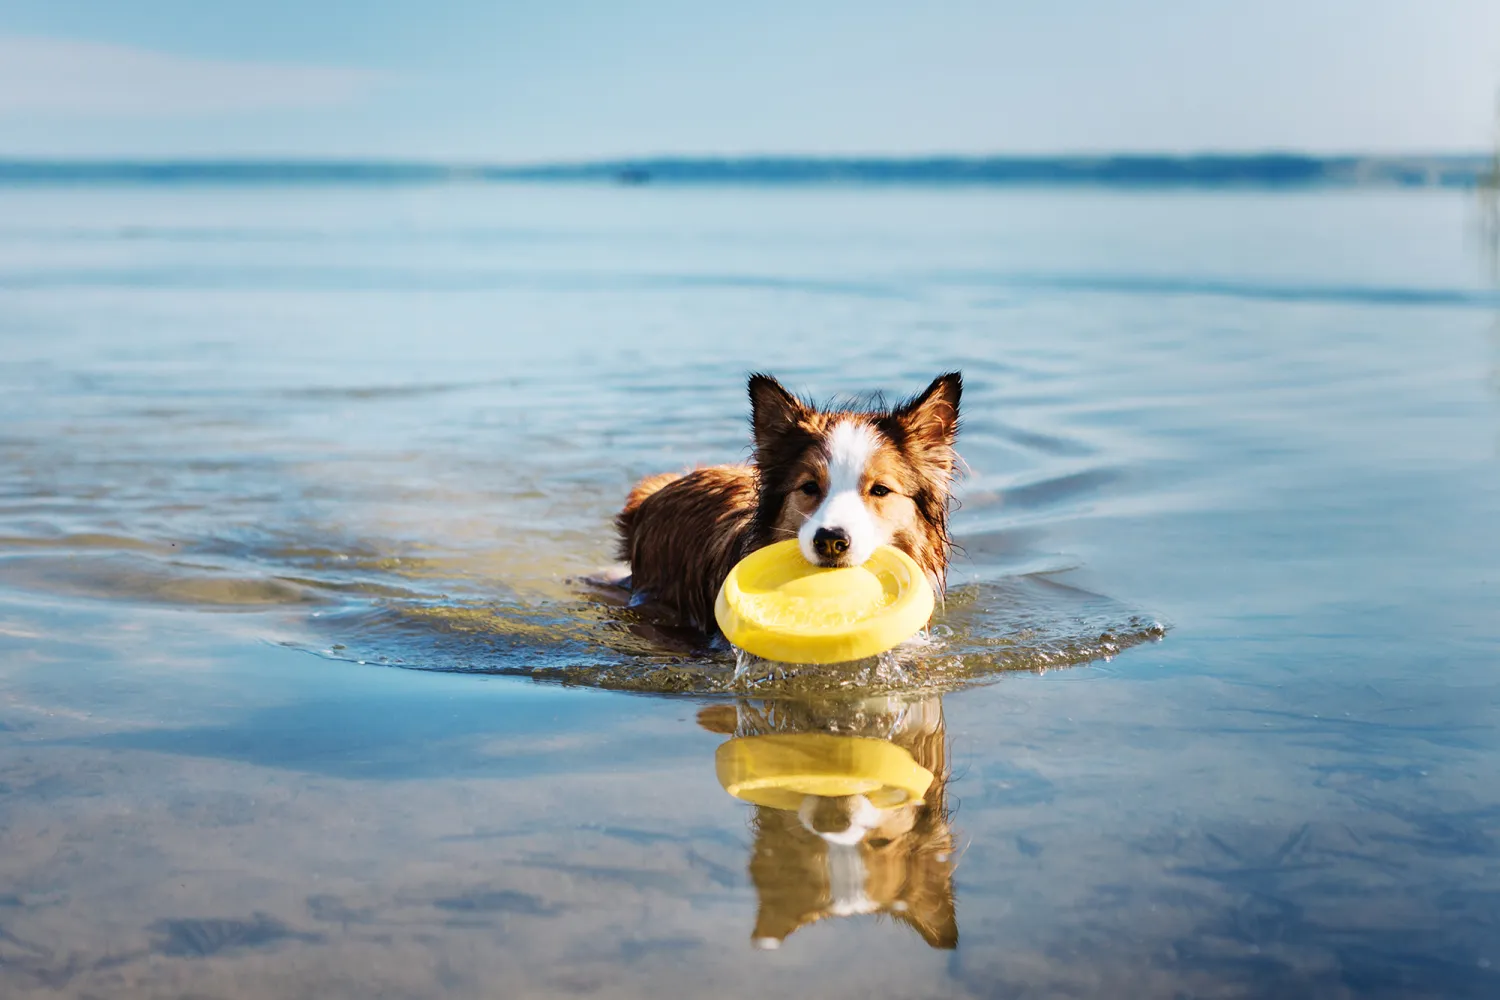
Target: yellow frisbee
777	605
782	769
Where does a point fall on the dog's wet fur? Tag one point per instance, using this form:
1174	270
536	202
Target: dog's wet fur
840	481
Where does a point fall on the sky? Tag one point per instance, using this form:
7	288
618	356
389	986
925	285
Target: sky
488	81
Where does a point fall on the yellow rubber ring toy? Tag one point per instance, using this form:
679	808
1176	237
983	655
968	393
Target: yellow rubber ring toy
778	606
780	770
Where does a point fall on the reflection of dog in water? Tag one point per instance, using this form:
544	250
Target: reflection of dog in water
838	856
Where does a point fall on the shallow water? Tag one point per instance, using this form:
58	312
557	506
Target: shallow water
263	448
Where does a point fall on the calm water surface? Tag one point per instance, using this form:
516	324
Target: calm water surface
300	694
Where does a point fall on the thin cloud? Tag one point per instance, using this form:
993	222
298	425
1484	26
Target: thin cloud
59	76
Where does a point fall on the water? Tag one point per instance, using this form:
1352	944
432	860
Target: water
300	692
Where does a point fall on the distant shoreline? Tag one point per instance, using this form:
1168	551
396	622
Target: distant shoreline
1274	171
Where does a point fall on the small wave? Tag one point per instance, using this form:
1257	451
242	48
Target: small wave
123	577
887	286
1052	492
1052	445
1168	285
984	630
408	279
84	541
490	612
383	392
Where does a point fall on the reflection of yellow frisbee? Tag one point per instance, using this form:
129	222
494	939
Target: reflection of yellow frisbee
777	605
780	770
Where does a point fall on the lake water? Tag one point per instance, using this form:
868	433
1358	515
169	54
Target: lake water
300	693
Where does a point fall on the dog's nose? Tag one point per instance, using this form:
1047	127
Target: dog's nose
831	542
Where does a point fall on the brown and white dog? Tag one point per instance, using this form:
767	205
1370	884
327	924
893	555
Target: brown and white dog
841	482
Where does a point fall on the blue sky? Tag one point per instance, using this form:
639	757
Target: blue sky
471	80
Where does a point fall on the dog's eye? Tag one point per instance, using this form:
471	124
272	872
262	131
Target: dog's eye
810	488
879	842
879	490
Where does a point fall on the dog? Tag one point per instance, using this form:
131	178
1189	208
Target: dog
841	856
841	481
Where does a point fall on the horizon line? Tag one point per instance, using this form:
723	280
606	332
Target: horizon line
1277	169
1236	153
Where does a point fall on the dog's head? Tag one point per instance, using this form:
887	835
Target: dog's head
843	482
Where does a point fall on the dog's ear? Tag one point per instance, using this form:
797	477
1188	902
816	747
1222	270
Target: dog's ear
933	415
773	410
930	420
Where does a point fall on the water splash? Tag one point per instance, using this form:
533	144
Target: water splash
984	630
